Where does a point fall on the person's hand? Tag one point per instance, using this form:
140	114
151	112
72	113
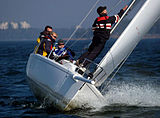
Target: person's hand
125	7
93	29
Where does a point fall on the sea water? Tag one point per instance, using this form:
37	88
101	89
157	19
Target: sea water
133	92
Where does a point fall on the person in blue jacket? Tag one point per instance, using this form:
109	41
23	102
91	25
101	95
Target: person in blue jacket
62	52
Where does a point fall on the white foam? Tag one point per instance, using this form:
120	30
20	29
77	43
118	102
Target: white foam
140	95
133	95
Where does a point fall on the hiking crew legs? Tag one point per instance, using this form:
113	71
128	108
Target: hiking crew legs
94	50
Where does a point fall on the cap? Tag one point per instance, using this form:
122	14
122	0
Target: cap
60	41
100	9
47	27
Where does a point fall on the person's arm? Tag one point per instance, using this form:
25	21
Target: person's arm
71	54
122	11
94	25
115	18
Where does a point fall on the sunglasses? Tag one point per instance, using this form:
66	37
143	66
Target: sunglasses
54	36
61	44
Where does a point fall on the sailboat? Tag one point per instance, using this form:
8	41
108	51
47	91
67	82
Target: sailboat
63	87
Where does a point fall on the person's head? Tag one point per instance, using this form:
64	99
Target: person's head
102	10
60	43
48	29
54	35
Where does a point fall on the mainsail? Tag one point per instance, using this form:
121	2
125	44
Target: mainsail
140	25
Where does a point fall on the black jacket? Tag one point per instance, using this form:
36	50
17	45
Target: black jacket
46	45
43	34
103	24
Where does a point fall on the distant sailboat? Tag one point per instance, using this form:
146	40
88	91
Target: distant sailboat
63	87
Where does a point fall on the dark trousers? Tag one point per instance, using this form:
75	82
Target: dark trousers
94	50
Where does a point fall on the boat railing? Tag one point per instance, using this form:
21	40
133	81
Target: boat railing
88	71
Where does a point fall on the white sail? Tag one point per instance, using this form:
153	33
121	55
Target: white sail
142	22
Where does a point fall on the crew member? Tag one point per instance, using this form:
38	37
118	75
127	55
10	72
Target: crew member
62	52
47	31
47	43
101	27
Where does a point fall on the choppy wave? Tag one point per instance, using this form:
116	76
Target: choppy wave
135	90
133	94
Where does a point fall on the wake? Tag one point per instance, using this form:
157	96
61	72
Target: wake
133	94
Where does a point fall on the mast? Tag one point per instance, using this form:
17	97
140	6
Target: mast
138	27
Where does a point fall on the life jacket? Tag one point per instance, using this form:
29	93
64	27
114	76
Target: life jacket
43	50
102	23
52	40
42	36
38	41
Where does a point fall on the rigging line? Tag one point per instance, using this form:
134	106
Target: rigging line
80	38
114	6
82	21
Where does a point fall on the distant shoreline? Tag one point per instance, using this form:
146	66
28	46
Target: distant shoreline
147	36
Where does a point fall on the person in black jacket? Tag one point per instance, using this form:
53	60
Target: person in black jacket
47	44
47	31
101	27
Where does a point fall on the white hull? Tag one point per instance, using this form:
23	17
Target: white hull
61	86
54	83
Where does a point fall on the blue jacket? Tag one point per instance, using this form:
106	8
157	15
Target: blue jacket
63	53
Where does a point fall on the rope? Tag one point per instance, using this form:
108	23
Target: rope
80	38
82	22
115	6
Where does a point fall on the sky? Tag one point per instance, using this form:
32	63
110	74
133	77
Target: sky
57	13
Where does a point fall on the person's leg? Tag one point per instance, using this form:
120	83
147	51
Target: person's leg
94	53
85	55
94	50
